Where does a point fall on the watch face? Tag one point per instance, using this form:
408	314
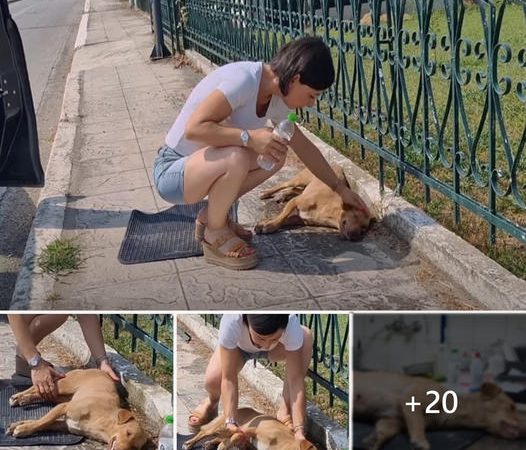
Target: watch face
245	137
34	361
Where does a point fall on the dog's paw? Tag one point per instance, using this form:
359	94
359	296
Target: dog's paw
18	429
19	399
266	194
14	400
264	228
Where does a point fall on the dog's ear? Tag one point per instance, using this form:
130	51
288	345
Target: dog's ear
124	416
490	390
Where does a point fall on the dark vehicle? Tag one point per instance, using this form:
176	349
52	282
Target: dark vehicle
19	153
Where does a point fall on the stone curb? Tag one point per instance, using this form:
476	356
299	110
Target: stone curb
151	399
321	428
33	288
492	285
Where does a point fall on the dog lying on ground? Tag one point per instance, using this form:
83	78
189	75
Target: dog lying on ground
312	202
381	397
88	405
260	432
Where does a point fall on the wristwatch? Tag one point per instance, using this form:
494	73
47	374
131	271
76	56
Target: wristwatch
35	361
231	421
245	137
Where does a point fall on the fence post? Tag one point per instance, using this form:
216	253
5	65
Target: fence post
159	49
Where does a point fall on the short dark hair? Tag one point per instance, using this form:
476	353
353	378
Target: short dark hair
266	324
307	57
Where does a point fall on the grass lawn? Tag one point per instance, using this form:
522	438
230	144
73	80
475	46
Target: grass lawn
162	373
473	136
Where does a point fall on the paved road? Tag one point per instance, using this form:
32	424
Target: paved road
48	29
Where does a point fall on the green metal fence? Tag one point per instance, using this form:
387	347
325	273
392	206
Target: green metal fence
148	329
329	369
435	89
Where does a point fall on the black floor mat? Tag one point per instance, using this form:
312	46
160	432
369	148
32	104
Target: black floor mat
168	234
182	438
439	440
9	415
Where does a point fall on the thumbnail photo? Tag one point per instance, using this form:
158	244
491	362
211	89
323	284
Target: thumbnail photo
265	381
439	381
86	382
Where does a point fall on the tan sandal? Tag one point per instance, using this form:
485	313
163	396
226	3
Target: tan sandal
202	419
241	232
233	258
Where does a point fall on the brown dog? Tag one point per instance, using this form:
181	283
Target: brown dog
260	432
88	405
312	202
382	397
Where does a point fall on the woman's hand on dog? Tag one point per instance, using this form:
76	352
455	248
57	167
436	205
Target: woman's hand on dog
233	428
44	378
264	142
105	366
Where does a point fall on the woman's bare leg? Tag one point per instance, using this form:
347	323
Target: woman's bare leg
224	174
213	377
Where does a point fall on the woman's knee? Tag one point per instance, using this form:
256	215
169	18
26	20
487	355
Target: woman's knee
308	341
239	158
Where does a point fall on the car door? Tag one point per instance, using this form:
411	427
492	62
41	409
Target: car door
19	153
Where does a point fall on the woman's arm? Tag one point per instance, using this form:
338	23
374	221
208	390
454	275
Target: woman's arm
229	382
318	165
296	382
204	126
90	325
44	375
26	346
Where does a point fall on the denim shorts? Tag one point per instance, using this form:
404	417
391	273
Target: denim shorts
258	355
168	175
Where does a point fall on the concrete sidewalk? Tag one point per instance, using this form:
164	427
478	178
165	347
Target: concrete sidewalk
117	108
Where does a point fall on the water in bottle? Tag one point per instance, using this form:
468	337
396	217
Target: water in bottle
285	130
476	371
166	437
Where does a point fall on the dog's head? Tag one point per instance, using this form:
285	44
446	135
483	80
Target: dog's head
129	434
354	222
500	413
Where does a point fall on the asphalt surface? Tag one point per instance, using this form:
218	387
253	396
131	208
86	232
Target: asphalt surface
48	29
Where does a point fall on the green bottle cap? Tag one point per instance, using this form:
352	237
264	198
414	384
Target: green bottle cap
293	117
169	419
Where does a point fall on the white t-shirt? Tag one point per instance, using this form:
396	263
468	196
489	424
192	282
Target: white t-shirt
239	82
233	333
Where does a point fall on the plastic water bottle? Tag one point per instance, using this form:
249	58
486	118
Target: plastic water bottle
285	130
453	367
166	436
476	372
